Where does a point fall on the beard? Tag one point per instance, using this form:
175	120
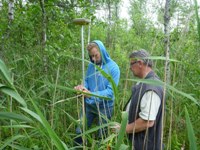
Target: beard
97	62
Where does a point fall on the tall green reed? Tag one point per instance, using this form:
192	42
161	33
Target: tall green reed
190	131
38	116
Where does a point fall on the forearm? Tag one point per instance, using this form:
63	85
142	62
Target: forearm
99	93
108	92
139	125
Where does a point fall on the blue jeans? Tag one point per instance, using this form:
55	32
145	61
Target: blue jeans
101	113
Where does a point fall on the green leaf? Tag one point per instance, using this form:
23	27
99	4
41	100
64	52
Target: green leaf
17	126
75	91
96	128
109	138
13	93
190	131
160	83
197	17
19	147
183	94
162	58
72	118
122	130
5	73
123	147
109	77
33	114
58	143
14	116
10	140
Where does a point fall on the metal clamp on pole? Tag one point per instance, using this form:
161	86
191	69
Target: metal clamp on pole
81	21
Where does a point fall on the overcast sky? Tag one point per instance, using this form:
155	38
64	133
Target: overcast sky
151	7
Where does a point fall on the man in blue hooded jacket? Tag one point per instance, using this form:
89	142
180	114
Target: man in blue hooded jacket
96	83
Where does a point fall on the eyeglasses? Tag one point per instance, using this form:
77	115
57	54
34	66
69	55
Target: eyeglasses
132	63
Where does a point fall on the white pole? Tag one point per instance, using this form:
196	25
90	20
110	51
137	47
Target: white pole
83	83
83	63
82	22
91	1
89	33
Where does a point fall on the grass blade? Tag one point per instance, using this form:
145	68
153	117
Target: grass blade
75	91
19	147
17	126
162	58
14	94
4	72
160	83
33	114
109	77
9	141
197	17
53	136
122	130
96	129
14	116
190	131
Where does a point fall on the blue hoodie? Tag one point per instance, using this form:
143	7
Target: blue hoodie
96	83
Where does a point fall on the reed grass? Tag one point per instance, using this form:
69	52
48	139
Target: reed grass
31	118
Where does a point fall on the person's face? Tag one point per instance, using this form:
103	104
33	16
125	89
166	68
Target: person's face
95	55
134	67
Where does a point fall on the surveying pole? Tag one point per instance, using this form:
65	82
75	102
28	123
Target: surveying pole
82	22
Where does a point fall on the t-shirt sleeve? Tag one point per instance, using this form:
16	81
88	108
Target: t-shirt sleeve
149	105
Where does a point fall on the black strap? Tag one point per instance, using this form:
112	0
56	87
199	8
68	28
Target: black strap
124	109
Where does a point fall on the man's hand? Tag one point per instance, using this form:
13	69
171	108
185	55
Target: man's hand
79	87
83	89
115	128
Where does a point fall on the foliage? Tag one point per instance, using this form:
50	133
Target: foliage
39	110
191	136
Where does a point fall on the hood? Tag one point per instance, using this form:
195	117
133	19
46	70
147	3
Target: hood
104	54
